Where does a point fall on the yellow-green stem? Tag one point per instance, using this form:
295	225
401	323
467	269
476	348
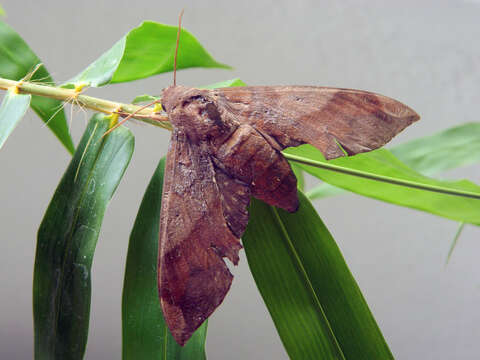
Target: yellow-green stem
72	96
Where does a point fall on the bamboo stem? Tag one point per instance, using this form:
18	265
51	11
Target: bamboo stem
74	96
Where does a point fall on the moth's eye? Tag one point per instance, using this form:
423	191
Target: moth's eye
163	108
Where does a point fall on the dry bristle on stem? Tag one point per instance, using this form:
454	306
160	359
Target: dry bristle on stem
176	48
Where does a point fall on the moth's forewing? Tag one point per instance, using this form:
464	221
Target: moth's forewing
193	278
324	117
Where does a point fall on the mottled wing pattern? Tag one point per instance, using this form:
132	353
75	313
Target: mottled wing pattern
249	157
203	215
324	117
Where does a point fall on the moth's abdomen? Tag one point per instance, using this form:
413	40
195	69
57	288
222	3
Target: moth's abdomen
247	156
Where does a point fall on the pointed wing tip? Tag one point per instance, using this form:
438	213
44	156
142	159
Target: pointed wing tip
410	115
414	117
406	118
402	111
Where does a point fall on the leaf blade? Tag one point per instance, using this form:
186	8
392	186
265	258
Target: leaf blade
67	238
296	311
454	147
298	171
454	242
342	308
145	334
382	163
227	83
145	51
16	61
448	149
12	110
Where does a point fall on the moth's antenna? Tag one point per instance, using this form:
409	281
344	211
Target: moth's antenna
176	49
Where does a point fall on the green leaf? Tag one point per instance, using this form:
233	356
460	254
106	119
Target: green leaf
298	171
145	334
323	190
67	238
448	149
12	110
314	301
16	61
381	163
227	83
144	98
146	51
455	241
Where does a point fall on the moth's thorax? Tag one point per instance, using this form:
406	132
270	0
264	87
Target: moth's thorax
195	112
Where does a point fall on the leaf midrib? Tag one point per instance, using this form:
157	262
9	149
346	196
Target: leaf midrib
300	266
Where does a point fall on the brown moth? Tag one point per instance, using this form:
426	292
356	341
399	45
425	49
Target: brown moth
225	147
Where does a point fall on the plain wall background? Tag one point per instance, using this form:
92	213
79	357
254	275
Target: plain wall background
423	53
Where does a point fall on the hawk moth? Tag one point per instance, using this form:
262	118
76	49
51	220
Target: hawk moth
225	147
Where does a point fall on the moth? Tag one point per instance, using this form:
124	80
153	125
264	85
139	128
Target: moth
226	147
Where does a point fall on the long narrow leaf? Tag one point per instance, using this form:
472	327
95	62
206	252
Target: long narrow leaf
145	51
67	239
286	288
298	171
312	297
227	83
430	155
16	61
12	110
448	149
455	241
145	334
324	190
383	163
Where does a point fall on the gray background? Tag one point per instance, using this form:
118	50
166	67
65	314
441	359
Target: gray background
423	53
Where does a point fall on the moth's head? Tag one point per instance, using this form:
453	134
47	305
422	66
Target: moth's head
193	110
171	97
